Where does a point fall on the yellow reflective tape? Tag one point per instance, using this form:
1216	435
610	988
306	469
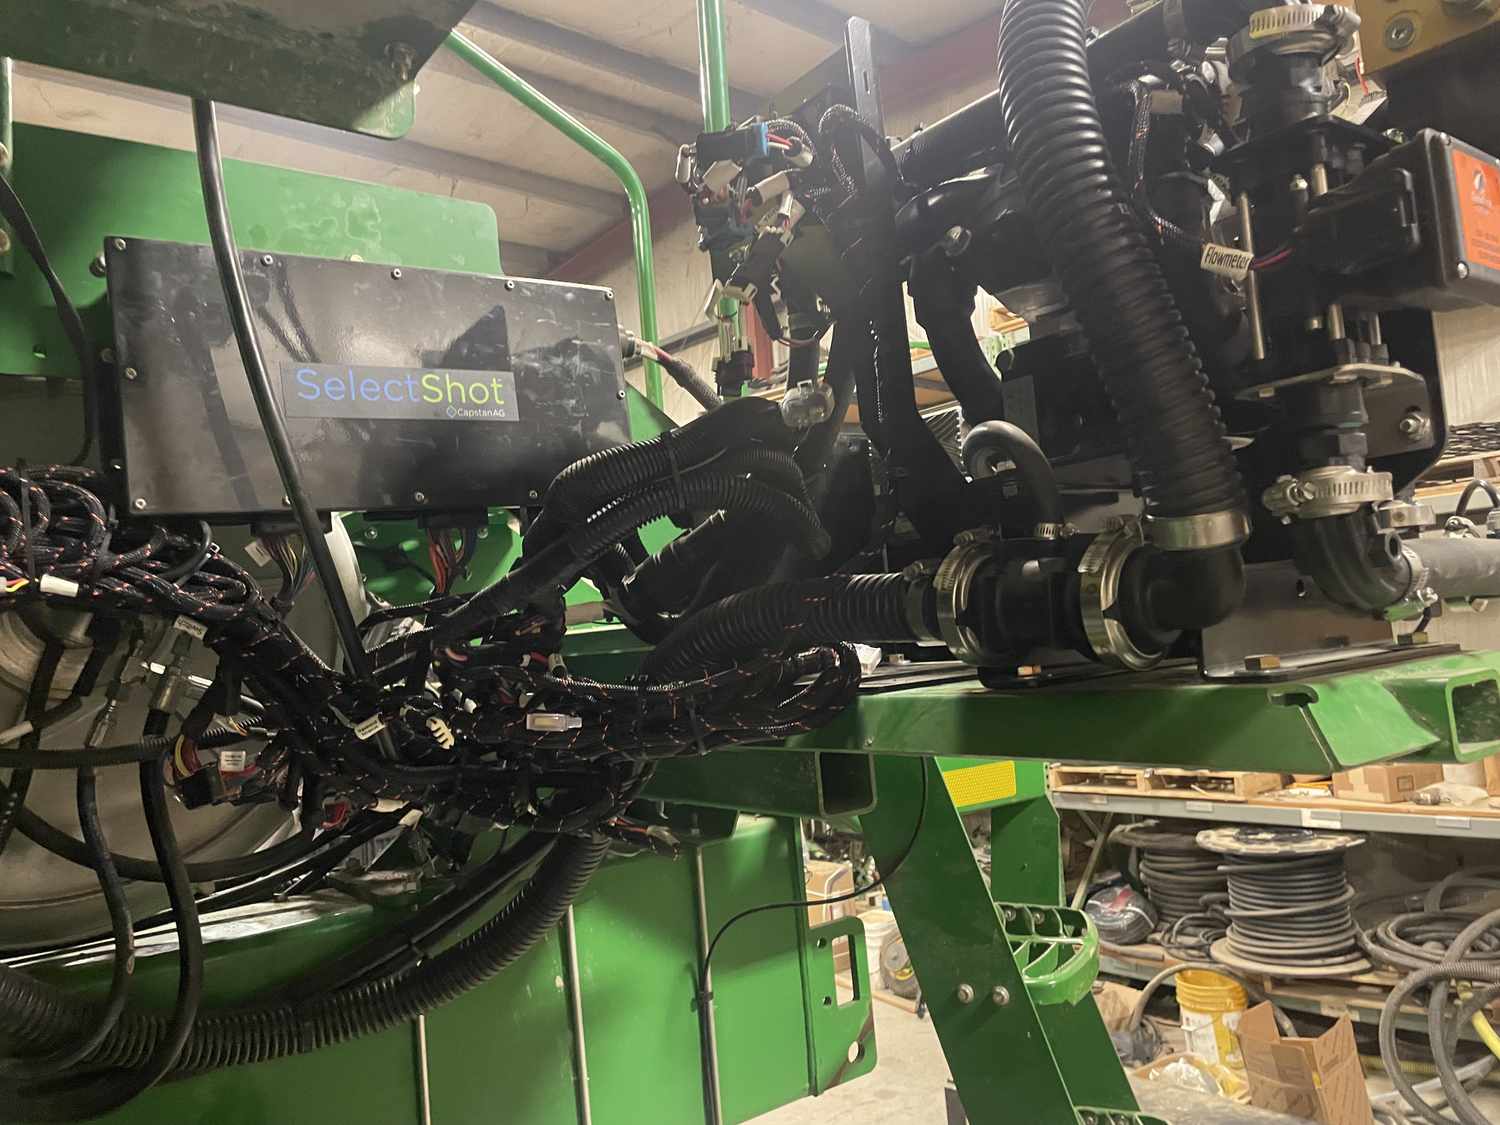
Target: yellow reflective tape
979	785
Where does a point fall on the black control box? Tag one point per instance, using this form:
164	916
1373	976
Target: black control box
403	390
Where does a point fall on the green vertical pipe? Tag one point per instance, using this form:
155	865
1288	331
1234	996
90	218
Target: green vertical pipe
713	90
597	147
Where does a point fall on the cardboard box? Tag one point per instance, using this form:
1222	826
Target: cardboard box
1386	784
1320	1079
828	880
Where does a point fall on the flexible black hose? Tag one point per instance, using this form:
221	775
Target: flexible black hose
1291	911
862	607
13	800
123	968
1459	952
35	1012
237	298
1473	971
1466	497
994	441
1149	365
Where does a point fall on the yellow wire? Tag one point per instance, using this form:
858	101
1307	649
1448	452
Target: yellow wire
1486	1032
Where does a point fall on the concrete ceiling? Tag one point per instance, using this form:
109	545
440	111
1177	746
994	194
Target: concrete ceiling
629	70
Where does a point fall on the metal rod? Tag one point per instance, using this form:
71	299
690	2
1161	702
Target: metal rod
575	1016
597	147
237	298
1081	891
713	90
1318	182
7	154
424	1078
1252	282
707	1031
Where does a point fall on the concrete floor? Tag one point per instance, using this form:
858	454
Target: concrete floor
906	1088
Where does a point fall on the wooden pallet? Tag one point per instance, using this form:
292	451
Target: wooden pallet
1136	781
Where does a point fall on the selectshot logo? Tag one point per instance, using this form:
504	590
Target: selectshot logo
324	390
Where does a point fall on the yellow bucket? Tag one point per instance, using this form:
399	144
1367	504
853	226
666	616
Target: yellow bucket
1211	1007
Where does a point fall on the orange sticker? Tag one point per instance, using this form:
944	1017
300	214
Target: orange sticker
1478	183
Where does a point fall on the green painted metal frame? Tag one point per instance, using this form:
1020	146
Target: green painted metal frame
1015	1056
597	147
1337	720
713	90
814	786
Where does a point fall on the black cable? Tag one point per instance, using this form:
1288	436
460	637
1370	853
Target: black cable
147	750
226	256
113	890
803	904
1476	485
13	801
26	234
191	564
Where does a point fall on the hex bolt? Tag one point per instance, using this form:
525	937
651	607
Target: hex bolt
532	494
620	394
267	260
419	497
1462	269
97	267
396	273
1000	995
510	285
139	503
131	373
609	294
1400	33
964	994
118	244
371	534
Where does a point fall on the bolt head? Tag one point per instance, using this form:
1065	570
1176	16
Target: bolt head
1400	33
964	994
609	294
132	374
1479	605
510	285
419	497
139	503
97	266
118	244
267	260
1462	270
620	395
4	241
371	534
1000	995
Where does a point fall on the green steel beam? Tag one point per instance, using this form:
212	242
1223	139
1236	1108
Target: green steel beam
817	786
597	147
995	1040
718	113
1445	707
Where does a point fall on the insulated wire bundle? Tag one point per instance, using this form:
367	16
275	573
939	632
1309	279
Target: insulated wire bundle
1293	912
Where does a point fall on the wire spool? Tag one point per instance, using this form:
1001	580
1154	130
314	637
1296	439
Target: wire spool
1176	871
1288	901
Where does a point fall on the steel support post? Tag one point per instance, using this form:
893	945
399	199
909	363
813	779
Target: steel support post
996	1040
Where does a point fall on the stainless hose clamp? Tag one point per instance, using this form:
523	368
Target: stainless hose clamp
1099	574
953	582
1198	533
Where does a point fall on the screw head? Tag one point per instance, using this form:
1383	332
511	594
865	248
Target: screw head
510	285
620	394
396	273
97	267
1000	995
267	260
371	534
1462	270
964	994
116	465
1400	33
532	494
609	294
132	374
118	244
139	503
419	497
106	355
